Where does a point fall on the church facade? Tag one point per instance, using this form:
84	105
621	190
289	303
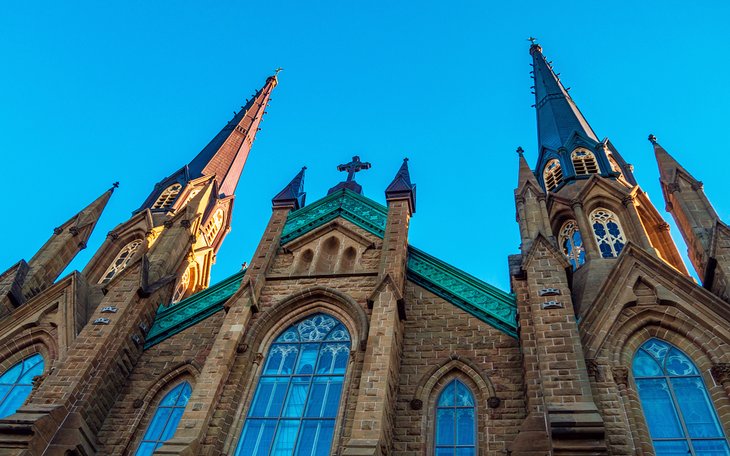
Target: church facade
341	338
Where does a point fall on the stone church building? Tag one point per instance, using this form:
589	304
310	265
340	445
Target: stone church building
340	338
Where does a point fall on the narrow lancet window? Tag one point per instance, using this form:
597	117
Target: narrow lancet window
182	287
552	174
571	244
607	230
213	226
121	261
297	399
17	382
167	197
584	162
676	404
166	418
455	421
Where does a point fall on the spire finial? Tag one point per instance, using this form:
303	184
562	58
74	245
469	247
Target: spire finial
532	40
354	166
277	71
114	185
652	139
520	151
533	45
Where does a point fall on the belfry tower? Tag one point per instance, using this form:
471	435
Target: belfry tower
162	254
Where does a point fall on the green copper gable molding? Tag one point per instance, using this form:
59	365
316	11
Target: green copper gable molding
172	319
361	211
489	304
475	296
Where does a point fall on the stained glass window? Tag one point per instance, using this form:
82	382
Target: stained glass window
455	421
17	382
608	232
552	175
167	417
121	261
584	162
676	404
295	405
572	244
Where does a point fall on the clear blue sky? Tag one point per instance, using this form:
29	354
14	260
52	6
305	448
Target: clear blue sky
94	92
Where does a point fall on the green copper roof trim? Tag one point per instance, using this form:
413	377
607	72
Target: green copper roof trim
361	211
475	296
173	319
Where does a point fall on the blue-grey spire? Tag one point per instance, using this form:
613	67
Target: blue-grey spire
558	117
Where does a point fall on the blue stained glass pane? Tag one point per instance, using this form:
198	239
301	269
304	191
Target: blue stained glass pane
711	447
445	426
618	246
342	357
447	395
339	333
332	400
656	348
613	229
645	366
697	411
270	397
187	390
606	251
256	438
157	426
295	399
172	423
146	449
465	426
281	359
463	395
465	451
315	438
34	368
17	397
285	438
444	452
599	229
678	364
671	448
11	403
326	359
170	398
12	375
290	335
307	359
658	408
4	390
316	401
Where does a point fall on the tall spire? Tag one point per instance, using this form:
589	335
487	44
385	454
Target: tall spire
668	166
525	174
558	117
293	195
226	154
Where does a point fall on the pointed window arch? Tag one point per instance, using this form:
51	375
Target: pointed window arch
675	401
584	162
121	261
552	174
297	399
182	287
167	197
456	427
608	232
213	226
571	244
167	417
16	383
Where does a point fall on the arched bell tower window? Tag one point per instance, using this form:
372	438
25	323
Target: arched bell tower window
182	287
16	383
121	261
607	230
584	162
167	197
677	407
456	425
571	244
552	174
297	399
213	226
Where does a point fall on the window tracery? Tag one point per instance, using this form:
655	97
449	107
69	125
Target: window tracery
584	162
167	416
121	261
297	398
167	197
571	244
675	401
455	421
552	174
608	233
213	226
16	383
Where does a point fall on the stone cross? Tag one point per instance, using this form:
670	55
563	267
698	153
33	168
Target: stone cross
354	166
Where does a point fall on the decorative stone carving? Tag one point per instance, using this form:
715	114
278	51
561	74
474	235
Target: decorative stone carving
113	235
185	223
493	402
620	375
664	226
58	230
549	292
416	404
74	231
721	372
697	185
102	321
242	348
671	188
167	223
82	245
628	200
552	305
594	370
258	358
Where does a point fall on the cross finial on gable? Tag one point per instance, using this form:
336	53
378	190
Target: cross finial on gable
354	166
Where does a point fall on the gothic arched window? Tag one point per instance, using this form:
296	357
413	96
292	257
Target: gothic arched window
572	244
297	399
552	174
121	261
167	197
182	287
456	424
164	422
584	162
16	383
213	226
677	407
608	232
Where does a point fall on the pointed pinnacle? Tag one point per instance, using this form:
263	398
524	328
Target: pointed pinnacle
652	139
